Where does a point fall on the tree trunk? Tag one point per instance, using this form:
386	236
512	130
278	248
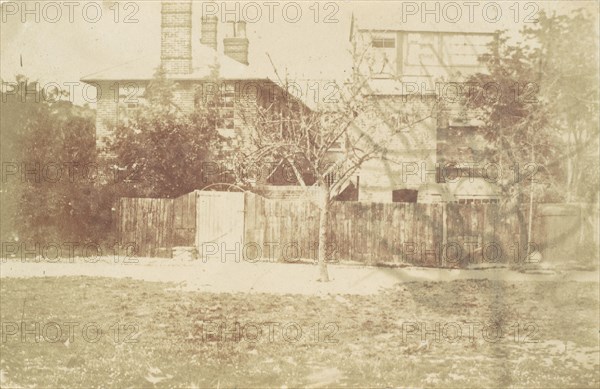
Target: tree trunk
569	186
530	221
323	223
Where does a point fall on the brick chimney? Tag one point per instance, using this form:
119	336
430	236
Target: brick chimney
176	37
236	47
209	31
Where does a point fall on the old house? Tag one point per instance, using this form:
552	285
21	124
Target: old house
415	73
409	68
201	69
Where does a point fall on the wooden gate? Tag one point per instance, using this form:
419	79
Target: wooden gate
561	231
220	225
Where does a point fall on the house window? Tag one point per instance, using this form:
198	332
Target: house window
330	179
226	109
384	43
384	56
404	196
127	110
222	104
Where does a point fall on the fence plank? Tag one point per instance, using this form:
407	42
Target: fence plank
148	223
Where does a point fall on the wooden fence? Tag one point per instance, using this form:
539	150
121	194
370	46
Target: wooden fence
184	220
449	235
147	223
375	233
280	229
155	226
370	233
392	232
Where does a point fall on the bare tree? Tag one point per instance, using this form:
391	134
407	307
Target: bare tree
324	147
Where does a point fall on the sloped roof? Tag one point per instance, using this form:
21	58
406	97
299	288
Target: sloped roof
390	19
204	59
462	188
473	187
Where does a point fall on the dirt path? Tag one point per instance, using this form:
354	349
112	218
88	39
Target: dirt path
265	277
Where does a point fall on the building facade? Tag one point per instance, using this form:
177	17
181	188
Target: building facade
200	71
414	74
410	73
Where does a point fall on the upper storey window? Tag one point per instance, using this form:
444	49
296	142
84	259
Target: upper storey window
384	43
221	101
384	57
418	54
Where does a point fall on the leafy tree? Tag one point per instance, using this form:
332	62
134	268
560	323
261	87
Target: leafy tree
162	152
47	162
544	112
565	53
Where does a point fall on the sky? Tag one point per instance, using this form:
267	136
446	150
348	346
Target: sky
311	45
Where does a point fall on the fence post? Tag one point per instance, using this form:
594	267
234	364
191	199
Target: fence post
444	233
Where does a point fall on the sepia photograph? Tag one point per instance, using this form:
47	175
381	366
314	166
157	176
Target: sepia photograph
299	194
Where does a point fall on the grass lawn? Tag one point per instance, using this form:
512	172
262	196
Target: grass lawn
167	337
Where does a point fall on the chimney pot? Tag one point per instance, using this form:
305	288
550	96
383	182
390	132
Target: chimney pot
236	47
240	29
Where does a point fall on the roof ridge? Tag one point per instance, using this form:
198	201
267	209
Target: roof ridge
116	66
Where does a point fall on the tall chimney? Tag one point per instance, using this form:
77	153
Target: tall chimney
236	47
176	37
209	31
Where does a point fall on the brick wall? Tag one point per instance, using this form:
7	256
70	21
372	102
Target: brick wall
107	109
114	105
184	96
